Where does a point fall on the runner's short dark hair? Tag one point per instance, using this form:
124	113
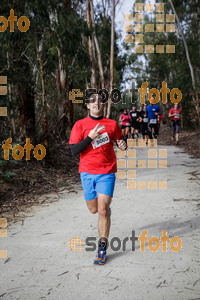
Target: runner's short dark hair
99	92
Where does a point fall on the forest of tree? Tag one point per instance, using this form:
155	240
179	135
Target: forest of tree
75	44
59	52
181	69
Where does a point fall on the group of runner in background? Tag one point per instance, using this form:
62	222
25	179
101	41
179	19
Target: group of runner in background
146	120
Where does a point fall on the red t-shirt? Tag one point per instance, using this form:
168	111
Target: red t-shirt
177	113
99	157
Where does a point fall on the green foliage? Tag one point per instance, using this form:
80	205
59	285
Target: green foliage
8	176
53	28
172	68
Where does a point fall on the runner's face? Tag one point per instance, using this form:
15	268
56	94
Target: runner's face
95	106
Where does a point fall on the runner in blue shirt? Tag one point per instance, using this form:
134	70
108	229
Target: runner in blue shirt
153	112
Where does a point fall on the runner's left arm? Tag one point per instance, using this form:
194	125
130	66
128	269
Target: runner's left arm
118	135
158	111
121	138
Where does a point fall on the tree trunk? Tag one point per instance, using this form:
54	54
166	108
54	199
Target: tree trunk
91	48
111	59
12	119
68	105
44	101
27	113
97	46
70	108
62	73
197	37
22	113
30	114
185	45
198	23
104	13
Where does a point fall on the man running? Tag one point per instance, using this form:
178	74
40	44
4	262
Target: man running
125	120
134	114
153	110
93	137
175	115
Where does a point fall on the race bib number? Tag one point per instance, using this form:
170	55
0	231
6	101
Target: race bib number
102	139
177	116
127	124
134	115
153	121
145	120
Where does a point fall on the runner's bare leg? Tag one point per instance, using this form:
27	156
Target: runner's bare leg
104	215
92	205
127	130
123	132
132	131
176	137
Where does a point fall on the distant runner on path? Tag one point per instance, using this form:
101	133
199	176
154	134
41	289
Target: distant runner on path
125	120
175	115
135	125
93	137
153	111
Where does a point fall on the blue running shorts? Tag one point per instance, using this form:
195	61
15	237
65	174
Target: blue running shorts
97	183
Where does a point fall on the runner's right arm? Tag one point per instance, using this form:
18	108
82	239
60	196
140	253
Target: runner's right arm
82	145
79	147
171	113
121	119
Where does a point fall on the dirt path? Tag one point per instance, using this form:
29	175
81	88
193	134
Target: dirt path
40	264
